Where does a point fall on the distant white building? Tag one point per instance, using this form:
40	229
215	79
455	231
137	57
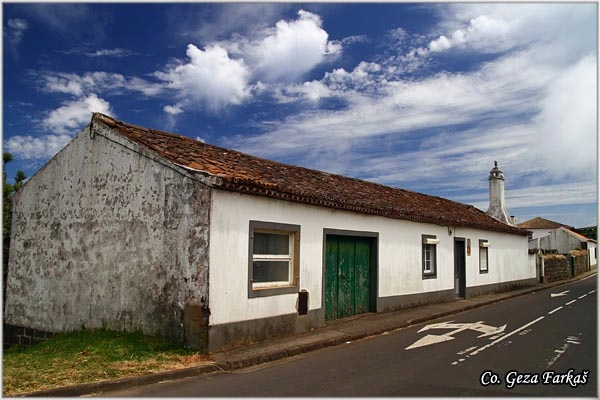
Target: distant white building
540	227
551	235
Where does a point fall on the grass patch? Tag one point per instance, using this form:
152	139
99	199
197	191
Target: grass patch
89	356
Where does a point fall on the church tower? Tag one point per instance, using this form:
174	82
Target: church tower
497	207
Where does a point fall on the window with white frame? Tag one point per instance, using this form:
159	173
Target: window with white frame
273	258
483	256
429	250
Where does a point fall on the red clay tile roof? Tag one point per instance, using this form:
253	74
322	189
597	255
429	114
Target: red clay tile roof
541	223
248	174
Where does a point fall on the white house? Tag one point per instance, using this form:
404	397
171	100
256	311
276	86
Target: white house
131	228
540	227
564	240
551	235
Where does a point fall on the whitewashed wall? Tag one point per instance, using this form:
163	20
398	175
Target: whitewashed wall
538	233
508	258
560	239
592	248
400	270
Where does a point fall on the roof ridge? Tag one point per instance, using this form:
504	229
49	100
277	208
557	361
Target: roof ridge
531	223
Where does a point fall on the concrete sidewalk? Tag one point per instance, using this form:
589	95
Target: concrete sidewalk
334	333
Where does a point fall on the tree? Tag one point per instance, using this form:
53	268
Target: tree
591	232
8	191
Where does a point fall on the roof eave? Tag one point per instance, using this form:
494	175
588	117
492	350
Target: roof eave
248	187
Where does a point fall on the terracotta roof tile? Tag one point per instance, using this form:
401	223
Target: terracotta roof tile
249	174
541	223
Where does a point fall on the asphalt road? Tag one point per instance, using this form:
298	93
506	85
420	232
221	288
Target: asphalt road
541	344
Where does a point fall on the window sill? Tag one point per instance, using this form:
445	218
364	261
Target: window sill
272	291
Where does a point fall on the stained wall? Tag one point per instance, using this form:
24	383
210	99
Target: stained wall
106	235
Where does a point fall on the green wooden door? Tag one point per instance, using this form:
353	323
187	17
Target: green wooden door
362	281
331	280
347	276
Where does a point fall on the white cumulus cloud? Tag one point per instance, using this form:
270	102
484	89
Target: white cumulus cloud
34	148
173	110
229	72
62	123
483	33
210	77
293	48
74	114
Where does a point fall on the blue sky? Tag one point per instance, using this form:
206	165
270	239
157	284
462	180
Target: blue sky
422	96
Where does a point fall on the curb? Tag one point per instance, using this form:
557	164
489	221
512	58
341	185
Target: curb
123	383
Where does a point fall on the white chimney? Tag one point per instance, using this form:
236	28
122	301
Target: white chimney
497	207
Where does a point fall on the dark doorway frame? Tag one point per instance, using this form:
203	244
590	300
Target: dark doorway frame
460	268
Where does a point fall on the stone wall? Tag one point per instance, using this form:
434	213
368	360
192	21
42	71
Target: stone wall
558	267
17	335
580	261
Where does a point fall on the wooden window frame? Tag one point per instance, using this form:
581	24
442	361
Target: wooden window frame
428	246
264	288
484	245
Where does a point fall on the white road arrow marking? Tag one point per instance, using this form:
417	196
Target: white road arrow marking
429	339
486	330
559	294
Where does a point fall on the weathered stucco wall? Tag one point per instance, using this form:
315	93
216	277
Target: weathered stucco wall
399	254
592	254
508	258
399	272
539	233
560	240
107	235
